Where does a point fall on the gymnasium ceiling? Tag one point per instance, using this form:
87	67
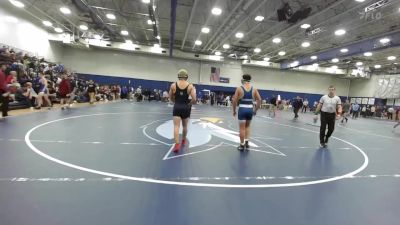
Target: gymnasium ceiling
326	16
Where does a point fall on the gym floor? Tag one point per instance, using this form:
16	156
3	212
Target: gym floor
112	164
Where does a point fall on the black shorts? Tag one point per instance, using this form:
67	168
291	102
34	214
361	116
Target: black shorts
182	110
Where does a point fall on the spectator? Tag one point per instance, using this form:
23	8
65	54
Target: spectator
64	91
373	109
92	91
43	92
297	105
165	96
4	94
390	113
73	88
305	106
272	107
26	96
124	92
355	109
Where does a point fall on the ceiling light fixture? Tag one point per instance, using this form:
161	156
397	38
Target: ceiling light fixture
198	42
226	46
391	58
340	32
205	30
344	50
47	23
266	59
216	11
305	44
110	16
17	3
314	57
384	40
124	32
305	26
259	18
335	60
58	30
257	50
368	54
281	53
276	40
83	27
377	66
239	35
65	10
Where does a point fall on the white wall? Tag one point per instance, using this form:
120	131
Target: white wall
24	34
364	88
127	64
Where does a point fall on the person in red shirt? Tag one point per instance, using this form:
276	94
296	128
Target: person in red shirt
64	90
11	78
4	95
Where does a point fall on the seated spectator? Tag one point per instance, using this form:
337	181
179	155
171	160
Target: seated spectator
26	96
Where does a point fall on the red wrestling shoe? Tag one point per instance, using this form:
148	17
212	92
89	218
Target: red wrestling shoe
176	148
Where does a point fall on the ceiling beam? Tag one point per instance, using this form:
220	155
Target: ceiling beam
248	15
174	5
215	33
345	25
189	22
310	18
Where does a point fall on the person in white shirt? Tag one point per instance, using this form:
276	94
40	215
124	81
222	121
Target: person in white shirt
305	106
328	105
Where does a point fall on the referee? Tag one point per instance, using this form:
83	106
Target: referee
328	106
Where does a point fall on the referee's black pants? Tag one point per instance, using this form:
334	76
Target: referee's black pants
4	104
326	119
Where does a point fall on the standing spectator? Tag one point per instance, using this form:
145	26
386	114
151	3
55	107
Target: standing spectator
118	92
165	96
64	90
373	109
43	92
272	107
363	111
346	109
91	90
124	92
315	105
305	106
73	87
4	95
297	105
390	113
355	109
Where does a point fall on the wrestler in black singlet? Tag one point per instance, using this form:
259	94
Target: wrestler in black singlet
182	106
